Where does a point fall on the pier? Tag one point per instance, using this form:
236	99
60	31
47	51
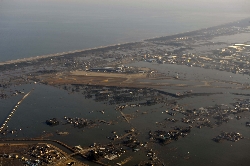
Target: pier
13	112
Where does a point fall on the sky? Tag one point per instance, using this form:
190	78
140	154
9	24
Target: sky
127	7
237	5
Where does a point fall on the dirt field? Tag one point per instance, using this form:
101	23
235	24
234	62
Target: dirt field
95	78
112	79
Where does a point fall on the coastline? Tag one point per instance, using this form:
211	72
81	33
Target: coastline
61	54
14	61
55	55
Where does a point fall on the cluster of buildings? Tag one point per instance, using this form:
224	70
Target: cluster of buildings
78	122
35	155
235	59
44	154
52	122
229	136
166	137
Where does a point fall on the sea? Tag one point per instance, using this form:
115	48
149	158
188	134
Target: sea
31	28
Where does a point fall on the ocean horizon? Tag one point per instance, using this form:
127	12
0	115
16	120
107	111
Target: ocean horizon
34	28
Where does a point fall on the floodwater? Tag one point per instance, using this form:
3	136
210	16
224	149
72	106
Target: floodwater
46	102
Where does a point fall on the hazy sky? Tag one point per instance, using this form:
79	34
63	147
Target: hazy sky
140	7
235	5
